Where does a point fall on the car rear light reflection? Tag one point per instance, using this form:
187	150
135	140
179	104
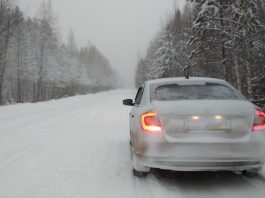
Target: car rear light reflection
259	122
195	117
150	123
219	117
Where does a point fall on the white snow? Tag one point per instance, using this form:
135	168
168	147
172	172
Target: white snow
79	147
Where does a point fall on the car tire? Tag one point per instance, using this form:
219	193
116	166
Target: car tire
140	174
138	170
251	173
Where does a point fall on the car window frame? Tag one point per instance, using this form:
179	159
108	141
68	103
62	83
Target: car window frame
139	94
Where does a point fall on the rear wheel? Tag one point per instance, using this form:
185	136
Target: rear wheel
138	170
251	172
139	173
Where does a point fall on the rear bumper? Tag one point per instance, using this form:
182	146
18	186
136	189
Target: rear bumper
158	153
196	165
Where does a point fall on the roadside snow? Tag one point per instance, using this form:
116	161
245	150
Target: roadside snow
79	147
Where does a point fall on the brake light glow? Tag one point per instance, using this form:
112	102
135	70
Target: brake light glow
259	122
150	123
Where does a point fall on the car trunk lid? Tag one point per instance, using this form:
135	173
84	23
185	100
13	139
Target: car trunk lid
206	120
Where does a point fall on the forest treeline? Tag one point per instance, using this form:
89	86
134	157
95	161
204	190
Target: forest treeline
36	66
214	38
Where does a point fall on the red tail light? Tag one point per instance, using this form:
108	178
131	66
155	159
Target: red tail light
150	123
259	122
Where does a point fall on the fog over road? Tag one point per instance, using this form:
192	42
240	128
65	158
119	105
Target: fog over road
79	147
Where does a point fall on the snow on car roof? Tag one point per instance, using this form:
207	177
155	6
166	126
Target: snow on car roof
182	79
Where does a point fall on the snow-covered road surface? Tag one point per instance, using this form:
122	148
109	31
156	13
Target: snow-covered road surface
79	147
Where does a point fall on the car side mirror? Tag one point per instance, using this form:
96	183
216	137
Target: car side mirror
128	102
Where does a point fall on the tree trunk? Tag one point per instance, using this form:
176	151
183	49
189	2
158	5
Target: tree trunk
224	59
3	65
237	68
249	74
19	95
248	42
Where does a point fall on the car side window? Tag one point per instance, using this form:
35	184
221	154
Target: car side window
139	96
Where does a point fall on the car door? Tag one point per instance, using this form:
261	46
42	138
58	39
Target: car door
134	117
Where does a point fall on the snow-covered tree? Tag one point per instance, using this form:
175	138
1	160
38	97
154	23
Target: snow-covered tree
230	27
36	66
16	53
140	75
164	64
216	38
71	45
6	24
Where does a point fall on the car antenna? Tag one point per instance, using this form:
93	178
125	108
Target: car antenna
187	72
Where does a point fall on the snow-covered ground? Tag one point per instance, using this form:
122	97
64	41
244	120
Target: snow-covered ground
79	147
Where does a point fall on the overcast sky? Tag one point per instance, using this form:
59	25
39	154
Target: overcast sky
119	28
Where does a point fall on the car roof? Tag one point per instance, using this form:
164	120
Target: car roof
182	79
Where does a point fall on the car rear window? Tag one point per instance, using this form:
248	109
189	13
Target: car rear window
208	91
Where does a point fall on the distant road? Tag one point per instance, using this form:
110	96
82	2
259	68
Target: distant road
79	148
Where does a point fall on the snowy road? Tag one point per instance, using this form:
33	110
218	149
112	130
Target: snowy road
78	148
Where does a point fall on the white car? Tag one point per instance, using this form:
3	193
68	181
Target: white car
196	124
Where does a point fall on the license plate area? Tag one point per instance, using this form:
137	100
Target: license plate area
208	125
